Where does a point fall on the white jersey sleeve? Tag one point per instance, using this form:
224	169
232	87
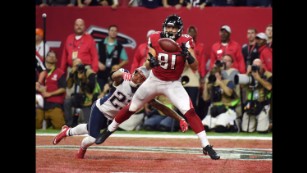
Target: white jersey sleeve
116	100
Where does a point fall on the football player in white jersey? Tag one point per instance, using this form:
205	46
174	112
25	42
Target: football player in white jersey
104	109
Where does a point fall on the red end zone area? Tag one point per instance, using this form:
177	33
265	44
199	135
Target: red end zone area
153	155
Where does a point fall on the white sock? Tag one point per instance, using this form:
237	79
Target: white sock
87	141
78	130
203	138
113	126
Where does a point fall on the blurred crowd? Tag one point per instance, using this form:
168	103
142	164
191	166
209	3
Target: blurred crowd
156	3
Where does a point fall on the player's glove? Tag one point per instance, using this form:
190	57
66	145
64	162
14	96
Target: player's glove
185	53
183	125
127	76
153	62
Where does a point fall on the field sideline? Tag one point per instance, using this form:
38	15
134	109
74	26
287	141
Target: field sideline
170	136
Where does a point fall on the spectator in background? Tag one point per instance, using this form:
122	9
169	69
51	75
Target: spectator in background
86	91
112	3
84	3
265	53
258	3
40	70
158	121
40	54
54	93
38	2
228	73
39	44
257	107
220	92
250	53
222	2
172	3
193	80
140	54
199	51
227	46
112	56
134	3
250	49
238	3
151	3
68	3
269	34
79	45
195	3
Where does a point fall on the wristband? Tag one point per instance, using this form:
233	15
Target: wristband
190	59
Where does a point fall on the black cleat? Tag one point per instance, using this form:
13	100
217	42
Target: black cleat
103	136
209	150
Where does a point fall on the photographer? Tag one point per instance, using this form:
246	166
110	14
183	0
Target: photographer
229	72
86	91
257	106
223	102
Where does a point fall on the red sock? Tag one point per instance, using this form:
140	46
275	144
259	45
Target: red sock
123	114
194	121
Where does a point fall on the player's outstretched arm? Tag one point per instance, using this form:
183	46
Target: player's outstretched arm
120	75
171	113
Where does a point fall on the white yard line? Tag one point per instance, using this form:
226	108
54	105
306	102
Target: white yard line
174	136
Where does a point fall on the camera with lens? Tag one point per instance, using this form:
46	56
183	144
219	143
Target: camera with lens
77	100
211	78
185	80
219	63
244	79
216	94
255	68
80	68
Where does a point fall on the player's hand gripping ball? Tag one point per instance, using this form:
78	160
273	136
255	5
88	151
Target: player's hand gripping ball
169	45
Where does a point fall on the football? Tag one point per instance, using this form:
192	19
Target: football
169	45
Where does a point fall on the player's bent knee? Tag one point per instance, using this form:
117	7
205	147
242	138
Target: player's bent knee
133	108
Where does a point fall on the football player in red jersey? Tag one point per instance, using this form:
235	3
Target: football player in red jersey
165	79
